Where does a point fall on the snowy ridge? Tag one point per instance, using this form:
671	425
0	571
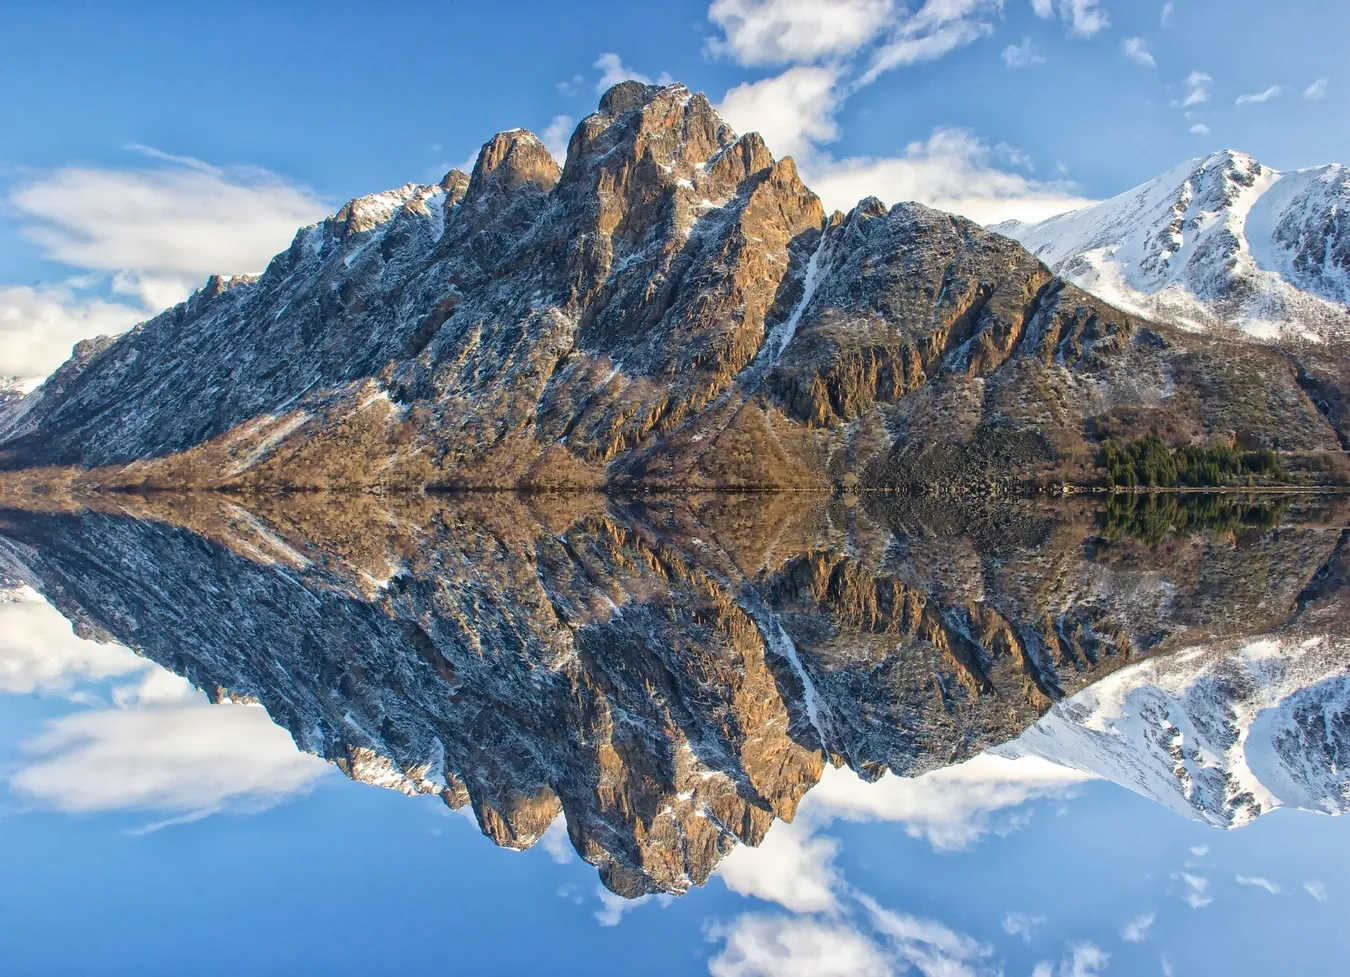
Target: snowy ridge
1219	734
1218	242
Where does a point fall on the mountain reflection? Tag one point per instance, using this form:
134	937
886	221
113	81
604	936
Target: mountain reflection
673	674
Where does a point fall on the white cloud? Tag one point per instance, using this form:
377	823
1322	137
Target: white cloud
791	110
556	136
556	842
1316	90
40	652
927	946
781	946
1022	55
1257	882
1263	96
612	907
1021	924
1085	18
1080	960
790	867
151	235
950	808
570	87
1317	889
168	750
165	229
160	746
1200	129
613	70
935	29
1136	930
38	326
952	170
1200	851
1168	9
1136	49
1196	90
1084	960
1196	889
758	32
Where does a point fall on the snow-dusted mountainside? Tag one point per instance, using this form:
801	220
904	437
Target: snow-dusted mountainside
671	307
1222	734
673	676
1222	241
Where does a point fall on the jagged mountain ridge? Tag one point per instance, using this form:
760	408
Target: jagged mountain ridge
671	677
1218	242
671	307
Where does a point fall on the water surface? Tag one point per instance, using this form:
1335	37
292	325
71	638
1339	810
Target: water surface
714	734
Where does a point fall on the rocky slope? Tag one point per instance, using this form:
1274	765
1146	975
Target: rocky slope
672	307
1222	242
671	677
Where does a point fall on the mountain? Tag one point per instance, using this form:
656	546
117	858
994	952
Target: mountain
672	676
1222	735
671	308
1222	242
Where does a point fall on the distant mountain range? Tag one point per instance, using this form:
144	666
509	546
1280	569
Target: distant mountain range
673	308
1222	242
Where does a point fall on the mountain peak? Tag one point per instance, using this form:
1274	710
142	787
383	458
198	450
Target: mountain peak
510	159
1218	242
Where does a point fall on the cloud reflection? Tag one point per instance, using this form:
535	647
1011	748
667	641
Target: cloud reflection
147	740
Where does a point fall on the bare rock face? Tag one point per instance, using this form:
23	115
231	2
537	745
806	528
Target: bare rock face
671	308
671	677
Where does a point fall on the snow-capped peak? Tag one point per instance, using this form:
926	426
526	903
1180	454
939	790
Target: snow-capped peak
1222	735
1223	241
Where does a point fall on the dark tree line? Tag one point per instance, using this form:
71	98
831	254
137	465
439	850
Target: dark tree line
1150	463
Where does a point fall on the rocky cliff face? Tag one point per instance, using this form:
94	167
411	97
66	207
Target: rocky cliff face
672	307
672	677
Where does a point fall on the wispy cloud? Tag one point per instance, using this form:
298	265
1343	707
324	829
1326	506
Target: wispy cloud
1022	925
1263	96
1136	49
1195	889
1200	129
613	70
555	137
1080	960
761	32
1317	89
1022	55
937	28
1258	882
953	170
1136	930
1196	90
1168	9
1085	18
1316	888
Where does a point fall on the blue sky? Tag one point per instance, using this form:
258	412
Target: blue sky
147	145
